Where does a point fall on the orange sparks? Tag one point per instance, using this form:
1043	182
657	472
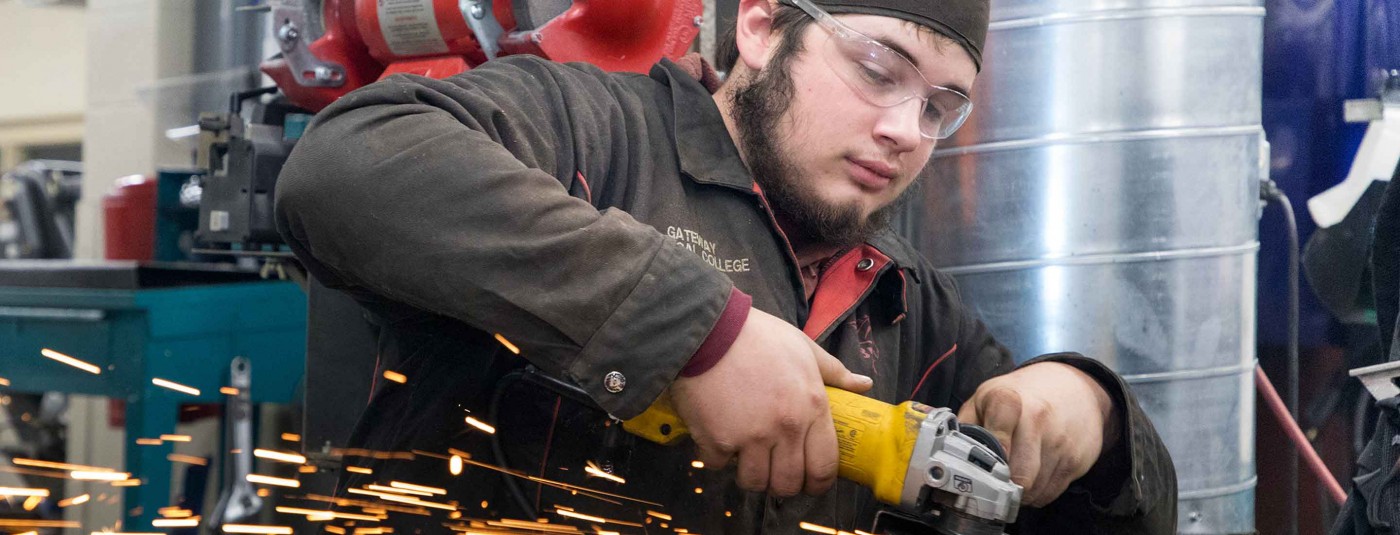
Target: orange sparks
191	522
257	529
20	461
393	490
306	469
31	502
176	438
175	386
228	391
148	442
335	529
330	514
187	459
593	470
419	488
454	465
281	456
175	511
269	480
395	376
15	491
481	425
291	437
814	527
507	343
662	516
580	516
359	470
86	475
697	464
127	483
263	493
699	490
70	361
417	501
175	523
76	500
4	381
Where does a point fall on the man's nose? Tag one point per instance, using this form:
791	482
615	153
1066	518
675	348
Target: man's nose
898	125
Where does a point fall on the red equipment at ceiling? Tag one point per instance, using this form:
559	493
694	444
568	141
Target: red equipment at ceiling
366	40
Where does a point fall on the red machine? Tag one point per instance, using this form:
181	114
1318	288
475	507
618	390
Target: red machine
365	40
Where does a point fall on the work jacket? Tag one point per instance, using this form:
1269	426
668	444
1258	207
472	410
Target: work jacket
595	226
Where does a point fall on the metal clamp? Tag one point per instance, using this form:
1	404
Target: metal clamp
289	23
484	25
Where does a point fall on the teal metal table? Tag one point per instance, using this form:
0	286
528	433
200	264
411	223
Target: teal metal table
187	334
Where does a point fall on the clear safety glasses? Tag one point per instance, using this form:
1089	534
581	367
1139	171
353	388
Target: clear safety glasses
886	79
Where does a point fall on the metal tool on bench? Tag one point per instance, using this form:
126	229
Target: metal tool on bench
238	501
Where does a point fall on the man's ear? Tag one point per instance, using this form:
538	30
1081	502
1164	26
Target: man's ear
754	33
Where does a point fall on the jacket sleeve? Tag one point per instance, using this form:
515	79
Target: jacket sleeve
453	197
1132	487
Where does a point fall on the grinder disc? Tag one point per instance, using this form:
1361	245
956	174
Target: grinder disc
531	14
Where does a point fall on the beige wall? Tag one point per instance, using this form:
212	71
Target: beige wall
43	53
42	77
132	46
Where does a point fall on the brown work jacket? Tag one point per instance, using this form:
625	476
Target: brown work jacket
598	222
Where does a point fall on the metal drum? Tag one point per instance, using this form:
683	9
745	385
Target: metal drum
1103	199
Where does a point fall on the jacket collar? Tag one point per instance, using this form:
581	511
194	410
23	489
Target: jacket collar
707	152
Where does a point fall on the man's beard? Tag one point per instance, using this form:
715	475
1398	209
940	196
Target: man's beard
759	104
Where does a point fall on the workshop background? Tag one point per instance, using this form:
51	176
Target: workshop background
166	367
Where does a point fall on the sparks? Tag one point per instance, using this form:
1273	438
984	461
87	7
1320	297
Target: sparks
70	361
593	470
257	529
454	465
285	457
697	464
86	475
419	488
481	425
228	391
175	386
187	459
814	527
291	437
395	376
507	343
21	461
191	522
662	516
359	470
14	491
176	438
76	500
149	442
269	480
580	516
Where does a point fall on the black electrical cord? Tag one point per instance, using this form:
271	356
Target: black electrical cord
493	412
530	375
1269	191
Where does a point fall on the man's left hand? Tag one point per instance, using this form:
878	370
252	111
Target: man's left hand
1053	420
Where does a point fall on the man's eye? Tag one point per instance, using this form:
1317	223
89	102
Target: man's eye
873	74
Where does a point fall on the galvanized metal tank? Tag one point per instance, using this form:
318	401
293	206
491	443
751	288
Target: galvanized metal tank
1102	199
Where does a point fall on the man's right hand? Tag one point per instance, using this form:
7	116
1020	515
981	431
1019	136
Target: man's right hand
765	403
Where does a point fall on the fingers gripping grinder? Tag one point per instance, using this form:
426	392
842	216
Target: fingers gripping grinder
942	477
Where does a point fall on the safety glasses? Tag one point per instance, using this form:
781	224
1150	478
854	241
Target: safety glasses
886	79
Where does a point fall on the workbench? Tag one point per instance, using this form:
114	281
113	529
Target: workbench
182	323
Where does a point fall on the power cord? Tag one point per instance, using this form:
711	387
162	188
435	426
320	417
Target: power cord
1270	191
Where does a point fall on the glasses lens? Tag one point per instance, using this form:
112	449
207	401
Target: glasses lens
884	78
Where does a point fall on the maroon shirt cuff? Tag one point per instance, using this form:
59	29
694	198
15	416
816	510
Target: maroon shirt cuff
722	336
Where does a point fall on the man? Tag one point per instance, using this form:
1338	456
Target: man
636	235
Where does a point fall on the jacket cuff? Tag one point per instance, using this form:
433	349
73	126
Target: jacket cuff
1112	483
722	336
646	340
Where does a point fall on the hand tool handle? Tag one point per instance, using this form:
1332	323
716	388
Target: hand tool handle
875	439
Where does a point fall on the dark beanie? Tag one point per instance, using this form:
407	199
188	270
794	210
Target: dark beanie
963	21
